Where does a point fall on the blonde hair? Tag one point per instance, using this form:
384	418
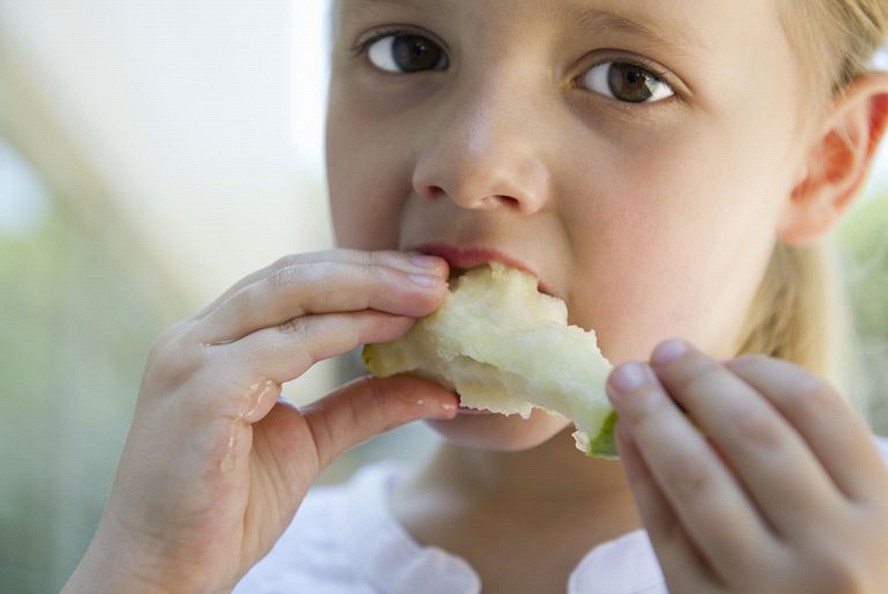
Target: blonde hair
799	312
834	39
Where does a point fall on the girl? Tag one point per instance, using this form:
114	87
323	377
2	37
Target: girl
664	167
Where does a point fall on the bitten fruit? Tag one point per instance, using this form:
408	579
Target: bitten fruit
505	347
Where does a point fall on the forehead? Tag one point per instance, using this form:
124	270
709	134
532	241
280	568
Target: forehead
679	14
688	22
700	27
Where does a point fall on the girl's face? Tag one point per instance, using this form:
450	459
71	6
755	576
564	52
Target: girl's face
637	156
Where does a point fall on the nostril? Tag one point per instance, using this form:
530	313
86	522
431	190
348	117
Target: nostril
435	192
507	200
471	197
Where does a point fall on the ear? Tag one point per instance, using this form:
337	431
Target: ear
838	161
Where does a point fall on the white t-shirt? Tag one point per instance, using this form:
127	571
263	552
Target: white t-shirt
344	540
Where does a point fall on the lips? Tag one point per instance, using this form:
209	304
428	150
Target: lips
461	259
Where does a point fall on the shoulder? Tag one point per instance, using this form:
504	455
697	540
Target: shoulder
313	554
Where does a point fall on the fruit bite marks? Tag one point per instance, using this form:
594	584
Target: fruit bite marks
505	347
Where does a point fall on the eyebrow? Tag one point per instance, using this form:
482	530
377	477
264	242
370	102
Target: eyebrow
397	3
584	17
681	35
346	10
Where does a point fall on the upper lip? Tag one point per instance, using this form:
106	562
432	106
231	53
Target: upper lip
464	258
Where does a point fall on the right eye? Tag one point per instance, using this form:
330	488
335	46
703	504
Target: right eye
402	52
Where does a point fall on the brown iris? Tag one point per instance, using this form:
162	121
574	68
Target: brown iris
631	83
413	53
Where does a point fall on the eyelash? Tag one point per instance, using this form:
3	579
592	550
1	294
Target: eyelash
651	67
362	46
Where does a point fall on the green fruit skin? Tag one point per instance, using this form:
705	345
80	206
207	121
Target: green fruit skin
604	445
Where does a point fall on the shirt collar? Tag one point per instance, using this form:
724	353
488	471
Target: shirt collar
388	557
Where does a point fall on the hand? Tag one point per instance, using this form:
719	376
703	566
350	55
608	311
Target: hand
215	465
779	488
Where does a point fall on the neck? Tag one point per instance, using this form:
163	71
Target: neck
553	473
569	502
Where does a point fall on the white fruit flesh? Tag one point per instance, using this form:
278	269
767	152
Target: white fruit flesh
505	347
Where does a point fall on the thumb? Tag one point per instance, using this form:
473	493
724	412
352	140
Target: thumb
369	406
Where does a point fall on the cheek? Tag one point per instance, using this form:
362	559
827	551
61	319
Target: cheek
368	177
676	246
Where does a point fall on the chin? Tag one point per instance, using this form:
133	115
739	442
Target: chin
500	433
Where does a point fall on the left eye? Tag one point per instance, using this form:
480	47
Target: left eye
627	82
406	53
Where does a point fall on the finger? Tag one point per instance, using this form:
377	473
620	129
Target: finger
414	262
323	287
771	460
369	406
716	514
685	569
838	436
283	353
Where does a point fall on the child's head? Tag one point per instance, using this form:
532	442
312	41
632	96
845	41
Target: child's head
646	159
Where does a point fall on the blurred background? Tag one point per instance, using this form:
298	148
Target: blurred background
152	152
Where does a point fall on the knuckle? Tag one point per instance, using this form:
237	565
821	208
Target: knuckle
322	437
373	269
288	261
816	397
284	277
295	329
812	399
380	267
382	259
295	283
690	479
172	358
392	407
242	300
299	333
172	335
373	258
376	396
756	430
644	410
696	378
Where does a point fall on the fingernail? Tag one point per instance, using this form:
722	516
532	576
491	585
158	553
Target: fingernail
444	411
628	376
426	281
423	261
669	351
449	408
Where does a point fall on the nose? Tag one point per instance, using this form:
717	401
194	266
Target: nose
486	152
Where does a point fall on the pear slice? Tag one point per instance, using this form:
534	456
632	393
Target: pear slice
505	347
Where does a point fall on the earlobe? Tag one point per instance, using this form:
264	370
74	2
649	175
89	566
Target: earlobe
839	161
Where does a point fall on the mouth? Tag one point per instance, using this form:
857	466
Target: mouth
463	259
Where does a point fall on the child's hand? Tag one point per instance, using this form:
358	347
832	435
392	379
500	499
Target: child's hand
215	466
789	493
